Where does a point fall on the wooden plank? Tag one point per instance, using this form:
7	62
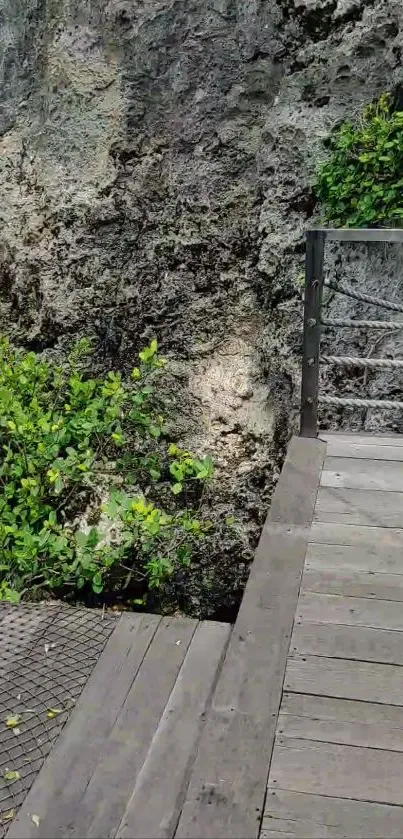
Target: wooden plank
285	829
126	747
342	581
369	725
227	786
163	780
350	611
339	771
337	447
362	439
344	733
377	558
360	643
373	539
361	680
59	786
359	506
339	817
342	710
362	474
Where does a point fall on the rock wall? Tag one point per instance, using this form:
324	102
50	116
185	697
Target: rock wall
155	168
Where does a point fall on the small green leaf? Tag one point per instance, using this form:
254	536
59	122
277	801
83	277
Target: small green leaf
97	583
176	488
13	720
11	776
8	816
53	712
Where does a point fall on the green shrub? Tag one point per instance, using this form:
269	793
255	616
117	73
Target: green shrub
361	183
84	462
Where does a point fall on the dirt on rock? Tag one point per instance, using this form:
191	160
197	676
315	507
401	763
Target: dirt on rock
156	169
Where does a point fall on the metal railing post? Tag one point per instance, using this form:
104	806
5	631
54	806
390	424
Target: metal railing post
312	330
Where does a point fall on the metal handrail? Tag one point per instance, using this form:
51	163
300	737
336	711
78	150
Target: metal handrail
313	323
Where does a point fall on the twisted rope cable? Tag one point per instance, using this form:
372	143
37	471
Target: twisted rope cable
358	403
351	361
366	298
363	324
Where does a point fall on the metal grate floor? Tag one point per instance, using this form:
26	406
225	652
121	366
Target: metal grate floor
47	653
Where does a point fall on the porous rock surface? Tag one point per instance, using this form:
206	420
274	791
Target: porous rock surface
156	165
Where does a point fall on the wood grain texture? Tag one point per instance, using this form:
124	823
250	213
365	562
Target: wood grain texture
362	474
345	679
341	721
340	771
384	559
376	540
336	818
362	439
359	506
360	643
355	583
350	611
163	779
355	732
227	787
342	711
338	447
129	740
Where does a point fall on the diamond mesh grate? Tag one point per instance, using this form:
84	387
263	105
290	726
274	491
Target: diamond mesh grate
47	654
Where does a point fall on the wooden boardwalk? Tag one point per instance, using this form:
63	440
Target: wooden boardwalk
337	764
290	723
121	766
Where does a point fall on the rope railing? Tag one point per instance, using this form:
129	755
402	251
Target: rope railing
352	361
365	298
362	324
313	323
345	402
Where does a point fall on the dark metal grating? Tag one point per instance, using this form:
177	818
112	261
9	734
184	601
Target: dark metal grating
47	653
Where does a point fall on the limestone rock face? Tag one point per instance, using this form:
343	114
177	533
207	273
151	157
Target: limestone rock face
156	158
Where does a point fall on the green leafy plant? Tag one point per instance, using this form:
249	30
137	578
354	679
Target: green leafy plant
361	182
84	464
186	467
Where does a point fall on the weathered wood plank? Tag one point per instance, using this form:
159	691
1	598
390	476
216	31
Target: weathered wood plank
337	447
340	771
355	558
344	733
345	679
372	539
350	611
127	745
163	780
227	787
339	817
285	829
359	506
59	786
342	581
341	721
342	710
362	439
362	474
360	643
